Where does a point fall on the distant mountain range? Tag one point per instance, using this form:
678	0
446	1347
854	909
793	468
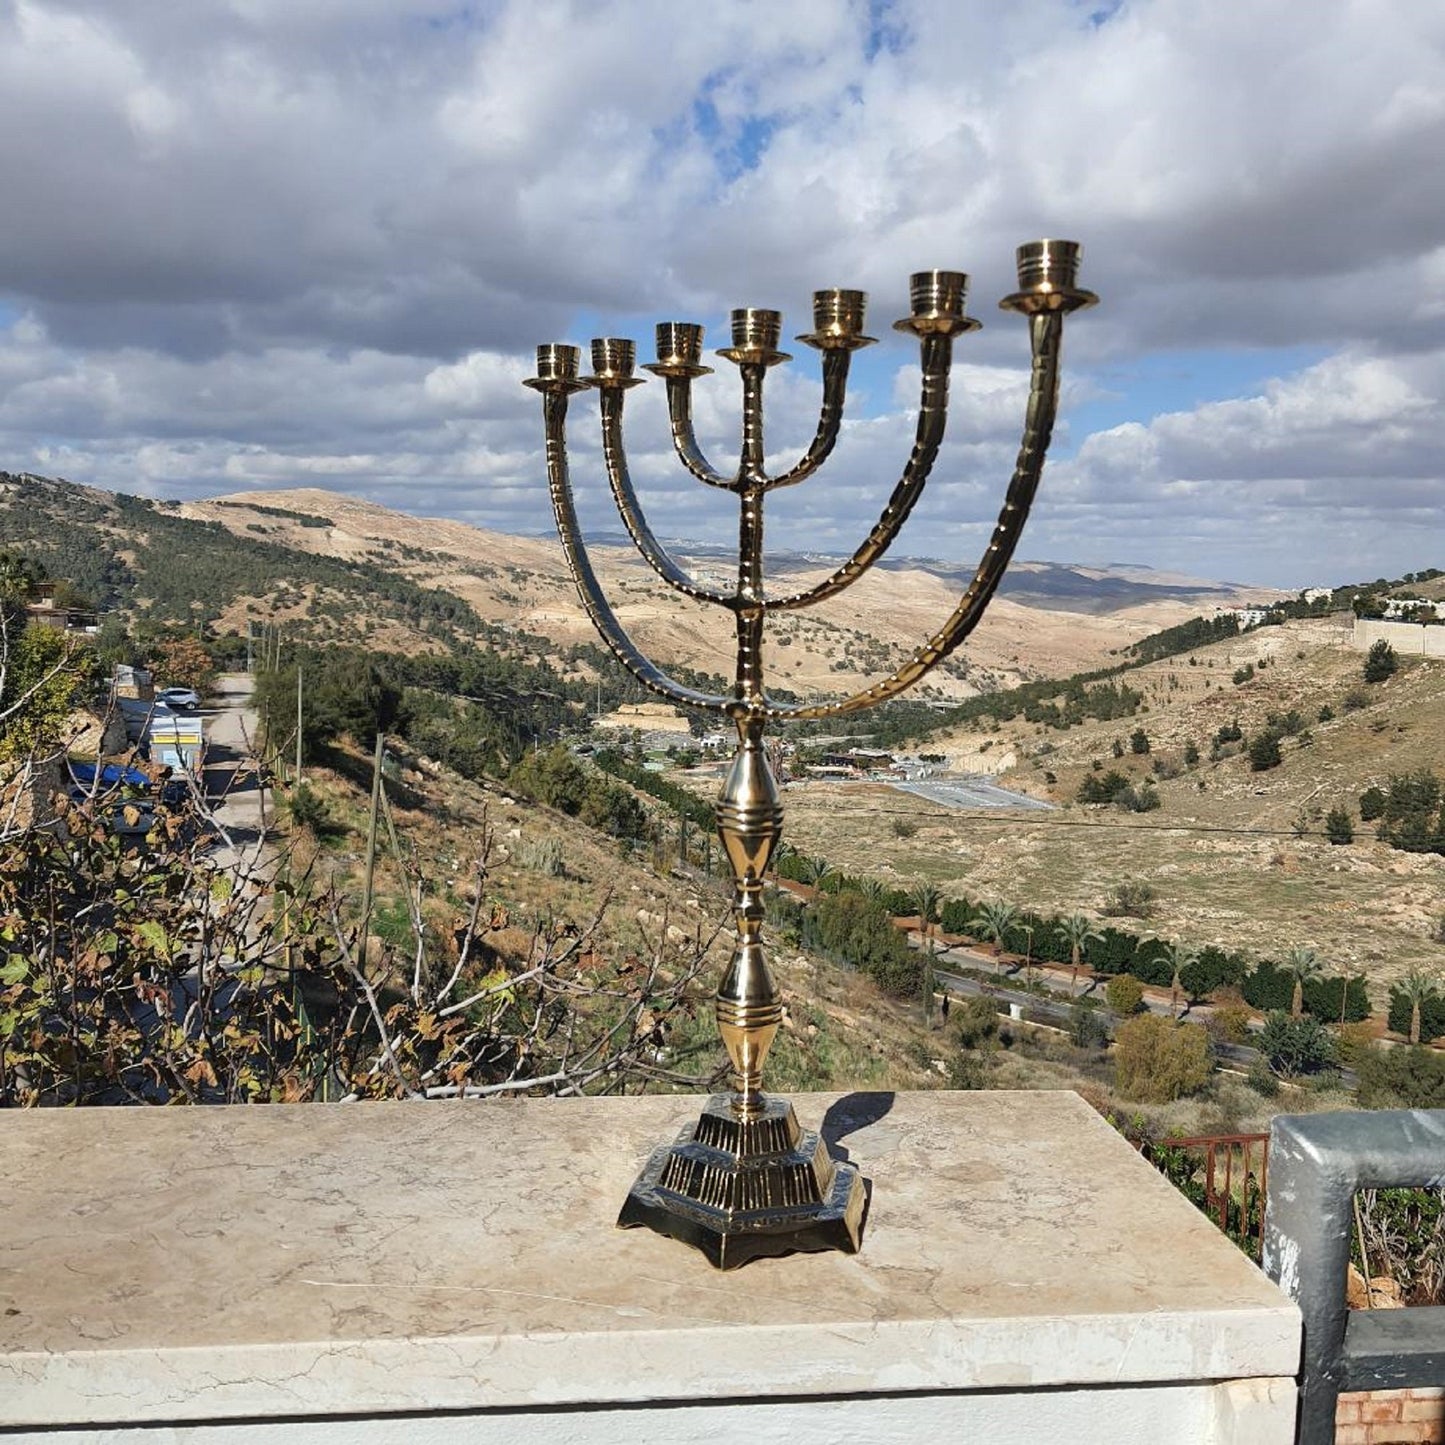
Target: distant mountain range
332	567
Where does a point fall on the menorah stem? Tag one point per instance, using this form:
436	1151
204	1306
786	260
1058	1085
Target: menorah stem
749	822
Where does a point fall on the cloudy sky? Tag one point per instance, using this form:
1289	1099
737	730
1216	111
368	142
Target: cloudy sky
270	243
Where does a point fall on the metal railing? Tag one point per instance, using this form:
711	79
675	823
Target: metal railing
1226	1175
1319	1161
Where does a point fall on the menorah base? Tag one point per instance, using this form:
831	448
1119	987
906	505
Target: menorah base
739	1189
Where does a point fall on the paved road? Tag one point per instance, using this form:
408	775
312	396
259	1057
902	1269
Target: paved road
970	792
232	785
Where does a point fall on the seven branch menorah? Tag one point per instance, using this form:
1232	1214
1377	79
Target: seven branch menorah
745	1180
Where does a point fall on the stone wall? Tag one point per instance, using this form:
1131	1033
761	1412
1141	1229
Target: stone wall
1410	639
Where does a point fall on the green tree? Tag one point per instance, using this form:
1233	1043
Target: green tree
1178	956
925	899
1295	1046
1264	752
1075	932
1372	804
1380	662
1397	1078
1302	965
1139	741
1124	994
44	675
995	920
1339	827
1157	1060
1416	988
817	872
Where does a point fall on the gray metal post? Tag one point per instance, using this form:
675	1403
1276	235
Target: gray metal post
1316	1164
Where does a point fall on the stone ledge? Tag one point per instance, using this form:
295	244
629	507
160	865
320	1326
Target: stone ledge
365	1259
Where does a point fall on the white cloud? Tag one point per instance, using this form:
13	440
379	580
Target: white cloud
250	241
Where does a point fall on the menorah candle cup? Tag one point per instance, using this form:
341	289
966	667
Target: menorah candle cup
557	370
558	362
938	303
679	350
756	333
838	320
756	329
613	358
679	343
1048	279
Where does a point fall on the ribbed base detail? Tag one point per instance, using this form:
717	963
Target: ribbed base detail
738	1188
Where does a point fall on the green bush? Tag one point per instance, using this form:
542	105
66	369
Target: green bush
1124	994
1380	662
976	1022
1293	1047
1087	1028
1339	827
1264	752
1372	804
860	933
1410	1078
1157	1060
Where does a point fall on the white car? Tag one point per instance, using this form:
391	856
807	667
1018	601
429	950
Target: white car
179	699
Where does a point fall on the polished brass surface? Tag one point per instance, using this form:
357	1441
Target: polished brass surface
744	1180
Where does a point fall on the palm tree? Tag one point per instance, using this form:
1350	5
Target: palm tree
1027	929
873	889
925	899
1416	986
816	871
1076	931
1301	964
995	920
1178	956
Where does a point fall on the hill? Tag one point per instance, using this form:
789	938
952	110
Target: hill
1235	857
1065	619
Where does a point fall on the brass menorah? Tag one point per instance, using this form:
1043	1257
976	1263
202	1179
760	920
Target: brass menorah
745	1180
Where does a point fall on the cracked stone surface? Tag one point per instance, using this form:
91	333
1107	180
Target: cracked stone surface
166	1264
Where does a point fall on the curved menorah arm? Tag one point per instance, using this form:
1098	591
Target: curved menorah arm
554	411
937	352
1046	332
684	439
630	509
835	387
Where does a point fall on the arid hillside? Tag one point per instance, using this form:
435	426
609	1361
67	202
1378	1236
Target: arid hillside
1235	857
522	582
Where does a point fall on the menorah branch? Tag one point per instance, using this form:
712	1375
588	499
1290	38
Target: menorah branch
1046	334
594	600
937	353
630	509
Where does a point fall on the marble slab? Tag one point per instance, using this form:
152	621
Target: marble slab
187	1264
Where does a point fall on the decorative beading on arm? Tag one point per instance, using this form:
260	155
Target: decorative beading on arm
1046	331
612	365
939	301
556	380
679	359
837	333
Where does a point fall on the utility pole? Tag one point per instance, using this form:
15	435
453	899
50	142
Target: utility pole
370	876
298	724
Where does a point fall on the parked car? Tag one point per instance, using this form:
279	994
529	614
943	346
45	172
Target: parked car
179	699
116	775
